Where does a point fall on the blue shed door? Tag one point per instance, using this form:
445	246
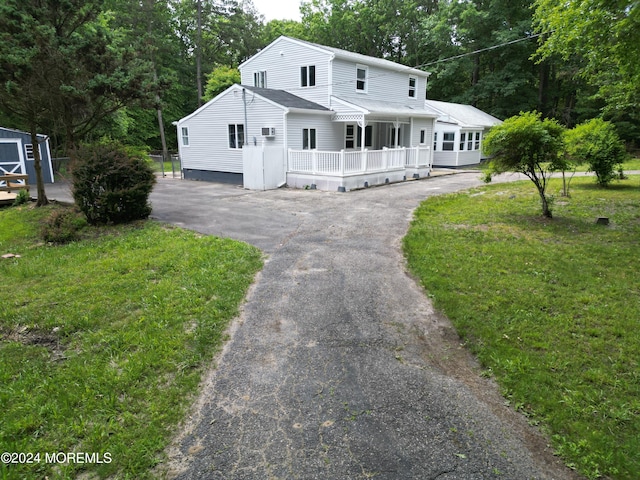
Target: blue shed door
11	158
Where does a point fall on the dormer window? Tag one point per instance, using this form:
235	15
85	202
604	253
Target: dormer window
413	83
260	79
308	76
361	78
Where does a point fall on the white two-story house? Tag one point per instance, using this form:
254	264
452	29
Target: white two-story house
311	115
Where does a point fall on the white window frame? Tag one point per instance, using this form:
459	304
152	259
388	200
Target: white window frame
448	142
306	78
349	136
309	139
435	141
423	136
463	140
184	134
260	79
28	151
364	81
470	141
236	135
413	89
476	145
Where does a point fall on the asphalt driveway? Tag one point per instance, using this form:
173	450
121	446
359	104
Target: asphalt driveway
339	367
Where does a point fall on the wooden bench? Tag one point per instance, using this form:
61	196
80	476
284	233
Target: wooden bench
14	181
9	183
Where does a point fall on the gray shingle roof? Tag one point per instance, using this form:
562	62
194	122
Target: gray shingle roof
286	99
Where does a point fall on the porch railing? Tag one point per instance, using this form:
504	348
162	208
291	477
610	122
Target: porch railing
357	162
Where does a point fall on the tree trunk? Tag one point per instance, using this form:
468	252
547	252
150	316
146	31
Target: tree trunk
199	54
37	165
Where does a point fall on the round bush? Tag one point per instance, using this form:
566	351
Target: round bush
110	185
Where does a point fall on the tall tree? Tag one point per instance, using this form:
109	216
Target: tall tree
605	35
62	69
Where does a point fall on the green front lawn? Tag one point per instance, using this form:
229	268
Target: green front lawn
103	342
550	307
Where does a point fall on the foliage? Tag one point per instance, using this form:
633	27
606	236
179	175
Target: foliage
596	143
22	198
605	35
104	341
110	185
219	80
528	145
63	226
553	304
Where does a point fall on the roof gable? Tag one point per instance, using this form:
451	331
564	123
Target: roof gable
342	54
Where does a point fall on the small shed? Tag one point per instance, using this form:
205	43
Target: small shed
17	155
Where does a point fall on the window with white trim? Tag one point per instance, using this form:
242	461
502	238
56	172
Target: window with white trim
435	141
423	136
413	84
260	79
463	137
185	136
470	141
362	73
308	138
447	141
308	76
349	136
477	144
28	148
236	135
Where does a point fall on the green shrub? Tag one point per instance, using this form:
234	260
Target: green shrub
22	198
596	143
63	226
111	184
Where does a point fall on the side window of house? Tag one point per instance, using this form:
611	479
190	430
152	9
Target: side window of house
236	135
447	141
349	137
28	148
470	141
308	76
477	145
308	138
463	137
185	136
435	141
260	79
413	83
423	136
361	78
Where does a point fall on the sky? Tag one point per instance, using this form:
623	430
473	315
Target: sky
278	9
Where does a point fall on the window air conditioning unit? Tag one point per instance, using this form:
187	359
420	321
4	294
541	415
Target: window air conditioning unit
268	132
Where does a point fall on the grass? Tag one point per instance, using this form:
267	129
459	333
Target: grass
103	341
550	307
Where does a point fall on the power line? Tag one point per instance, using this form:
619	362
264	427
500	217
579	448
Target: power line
480	51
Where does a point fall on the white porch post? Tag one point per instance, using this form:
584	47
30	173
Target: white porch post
397	126
363	126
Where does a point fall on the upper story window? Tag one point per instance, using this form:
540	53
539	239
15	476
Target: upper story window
413	86
260	79
308	76
236	135
447	141
185	136
361	78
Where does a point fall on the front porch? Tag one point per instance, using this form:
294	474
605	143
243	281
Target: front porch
350	169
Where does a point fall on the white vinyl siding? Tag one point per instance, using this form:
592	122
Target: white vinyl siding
282	61
209	131
329	135
382	84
